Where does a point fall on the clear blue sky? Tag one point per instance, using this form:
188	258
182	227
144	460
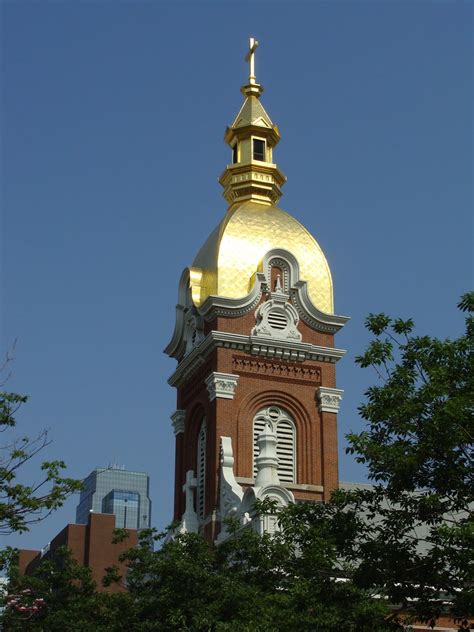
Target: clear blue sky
113	117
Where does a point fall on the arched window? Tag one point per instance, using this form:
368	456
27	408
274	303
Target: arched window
278	267
286	441
201	469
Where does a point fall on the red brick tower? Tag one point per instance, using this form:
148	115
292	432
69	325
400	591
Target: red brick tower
254	341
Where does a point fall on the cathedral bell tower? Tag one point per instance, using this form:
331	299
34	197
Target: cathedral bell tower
254	340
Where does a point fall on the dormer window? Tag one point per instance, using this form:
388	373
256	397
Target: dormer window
259	149
235	154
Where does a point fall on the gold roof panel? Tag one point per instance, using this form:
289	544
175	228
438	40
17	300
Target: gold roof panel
233	253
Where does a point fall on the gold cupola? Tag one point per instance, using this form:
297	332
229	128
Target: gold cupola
228	261
252	137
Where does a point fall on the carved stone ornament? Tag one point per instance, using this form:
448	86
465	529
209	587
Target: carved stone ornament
277	318
329	399
177	421
244	364
231	493
221	385
194	332
267	485
189	521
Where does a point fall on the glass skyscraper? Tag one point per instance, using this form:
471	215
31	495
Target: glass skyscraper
116	491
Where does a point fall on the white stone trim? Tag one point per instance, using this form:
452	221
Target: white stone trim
215	306
177	345
189	520
307	311
177	421
231	494
234	307
291	351
285	315
221	385
244	480
329	399
267	484
266	462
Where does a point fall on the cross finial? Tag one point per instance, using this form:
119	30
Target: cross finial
188	488
189	521
250	58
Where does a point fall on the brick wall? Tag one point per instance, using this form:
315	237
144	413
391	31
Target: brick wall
262	382
91	545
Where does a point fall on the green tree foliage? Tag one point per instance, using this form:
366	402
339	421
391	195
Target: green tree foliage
417	541
21	505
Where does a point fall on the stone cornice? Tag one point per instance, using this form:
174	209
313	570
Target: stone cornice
254	345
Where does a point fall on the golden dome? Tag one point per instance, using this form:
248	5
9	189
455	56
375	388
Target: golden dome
233	253
227	262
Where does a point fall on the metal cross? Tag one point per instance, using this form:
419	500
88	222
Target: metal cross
250	58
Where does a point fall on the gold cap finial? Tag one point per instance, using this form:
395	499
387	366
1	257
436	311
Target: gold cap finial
252	136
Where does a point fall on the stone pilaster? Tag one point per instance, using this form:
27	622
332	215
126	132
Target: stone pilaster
329	399
221	385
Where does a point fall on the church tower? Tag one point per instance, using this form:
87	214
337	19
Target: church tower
254	340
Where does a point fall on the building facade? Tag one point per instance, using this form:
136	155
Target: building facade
91	544
116	491
254	341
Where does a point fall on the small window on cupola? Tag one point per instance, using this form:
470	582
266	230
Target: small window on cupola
259	149
235	153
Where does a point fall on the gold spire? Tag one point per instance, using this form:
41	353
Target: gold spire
252	137
234	252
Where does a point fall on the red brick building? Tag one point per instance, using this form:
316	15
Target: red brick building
90	544
254	341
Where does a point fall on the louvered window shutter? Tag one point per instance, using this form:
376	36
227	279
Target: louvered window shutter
201	470
286	441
